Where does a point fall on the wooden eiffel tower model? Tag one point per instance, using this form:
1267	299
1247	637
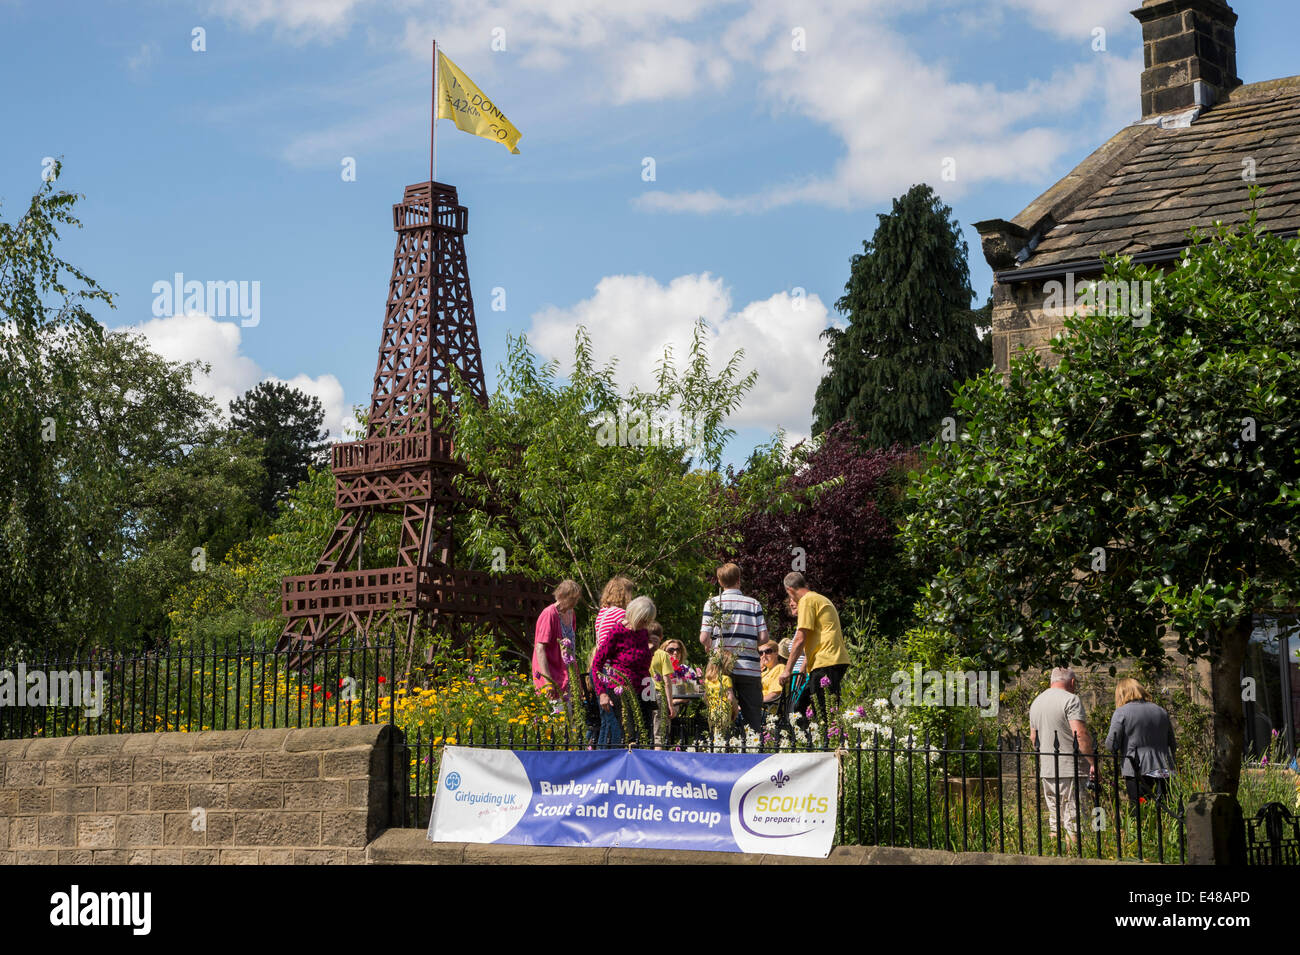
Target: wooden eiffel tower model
405	464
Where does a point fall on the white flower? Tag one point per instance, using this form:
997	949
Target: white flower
880	704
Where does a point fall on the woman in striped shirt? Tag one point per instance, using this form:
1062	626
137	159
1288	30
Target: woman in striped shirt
613	600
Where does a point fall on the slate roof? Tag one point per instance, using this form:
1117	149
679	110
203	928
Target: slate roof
1145	189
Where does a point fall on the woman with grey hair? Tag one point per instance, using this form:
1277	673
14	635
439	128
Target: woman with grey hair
620	669
554	642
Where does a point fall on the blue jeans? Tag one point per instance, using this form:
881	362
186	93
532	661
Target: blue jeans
611	730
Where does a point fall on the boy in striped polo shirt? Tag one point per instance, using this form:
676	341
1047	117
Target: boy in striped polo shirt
735	623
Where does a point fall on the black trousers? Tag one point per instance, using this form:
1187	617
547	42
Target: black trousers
749	694
836	676
1145	787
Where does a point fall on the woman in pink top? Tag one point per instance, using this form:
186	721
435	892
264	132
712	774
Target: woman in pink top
555	625
620	671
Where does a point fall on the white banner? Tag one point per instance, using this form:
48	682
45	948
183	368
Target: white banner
780	804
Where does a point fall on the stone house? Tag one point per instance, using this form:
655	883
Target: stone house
1203	139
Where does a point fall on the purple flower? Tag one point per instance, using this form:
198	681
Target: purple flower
1264	761
833	731
809	713
825	682
618	690
862	711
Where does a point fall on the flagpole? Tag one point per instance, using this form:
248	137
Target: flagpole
433	121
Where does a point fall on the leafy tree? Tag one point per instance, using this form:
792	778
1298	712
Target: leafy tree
1148	483
132	490
45	307
574	479
288	423
838	523
111	469
185	514
911	338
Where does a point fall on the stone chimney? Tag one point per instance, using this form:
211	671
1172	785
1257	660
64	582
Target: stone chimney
1191	54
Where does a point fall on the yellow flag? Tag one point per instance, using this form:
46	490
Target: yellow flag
464	104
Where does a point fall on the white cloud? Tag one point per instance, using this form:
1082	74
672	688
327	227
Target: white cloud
664	69
898	111
896	133
197	337
632	318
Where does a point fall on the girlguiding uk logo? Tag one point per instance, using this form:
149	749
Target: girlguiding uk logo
453	782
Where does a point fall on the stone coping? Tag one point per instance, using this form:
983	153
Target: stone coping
412	847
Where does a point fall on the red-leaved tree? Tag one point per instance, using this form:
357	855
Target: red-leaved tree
837	523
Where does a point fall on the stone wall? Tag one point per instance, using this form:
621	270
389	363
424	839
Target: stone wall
223	797
1021	320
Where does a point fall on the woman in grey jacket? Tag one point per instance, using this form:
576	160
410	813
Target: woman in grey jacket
1142	735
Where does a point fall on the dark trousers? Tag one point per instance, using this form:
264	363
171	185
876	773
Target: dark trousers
749	694
836	676
1145	787
591	714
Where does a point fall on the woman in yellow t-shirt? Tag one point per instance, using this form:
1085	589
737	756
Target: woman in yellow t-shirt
769	656
663	668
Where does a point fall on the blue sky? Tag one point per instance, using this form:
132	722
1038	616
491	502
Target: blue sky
771	161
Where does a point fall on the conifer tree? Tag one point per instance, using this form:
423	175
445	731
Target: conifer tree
911	338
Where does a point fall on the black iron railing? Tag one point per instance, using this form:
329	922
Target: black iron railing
1273	836
194	688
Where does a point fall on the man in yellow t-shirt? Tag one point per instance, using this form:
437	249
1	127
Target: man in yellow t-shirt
819	637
